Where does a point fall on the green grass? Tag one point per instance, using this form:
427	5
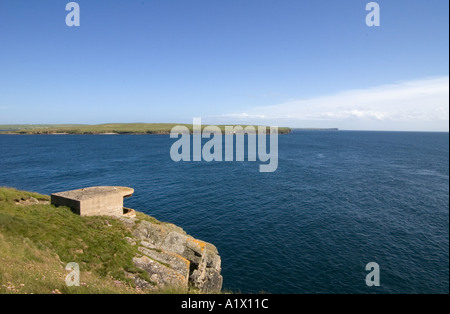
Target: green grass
37	241
119	128
35	126
26	268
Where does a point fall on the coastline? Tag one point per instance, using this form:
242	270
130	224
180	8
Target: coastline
109	129
135	254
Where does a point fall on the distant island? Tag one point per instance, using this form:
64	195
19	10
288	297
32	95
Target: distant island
314	129
110	128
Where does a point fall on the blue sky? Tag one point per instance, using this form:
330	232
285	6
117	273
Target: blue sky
291	63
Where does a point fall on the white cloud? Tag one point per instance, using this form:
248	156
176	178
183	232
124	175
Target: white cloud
413	105
244	115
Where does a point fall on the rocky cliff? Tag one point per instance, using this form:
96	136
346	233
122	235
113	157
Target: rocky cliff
173	258
133	253
168	255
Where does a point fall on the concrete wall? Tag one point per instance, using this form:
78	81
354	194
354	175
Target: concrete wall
63	201
94	201
109	205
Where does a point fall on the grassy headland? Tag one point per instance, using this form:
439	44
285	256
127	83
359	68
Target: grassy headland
37	240
110	128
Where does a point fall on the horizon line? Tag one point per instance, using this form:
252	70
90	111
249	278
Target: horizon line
234	124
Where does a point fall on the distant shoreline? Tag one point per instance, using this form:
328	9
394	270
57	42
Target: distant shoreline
314	129
105	129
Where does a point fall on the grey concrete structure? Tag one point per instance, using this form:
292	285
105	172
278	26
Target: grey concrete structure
94	201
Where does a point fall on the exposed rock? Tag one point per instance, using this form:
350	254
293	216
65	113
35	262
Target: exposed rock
206	276
130	241
175	261
173	258
129	222
175	242
160	274
31	201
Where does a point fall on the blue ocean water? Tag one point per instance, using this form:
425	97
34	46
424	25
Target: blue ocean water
338	201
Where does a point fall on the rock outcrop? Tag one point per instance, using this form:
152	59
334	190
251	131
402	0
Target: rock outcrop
173	258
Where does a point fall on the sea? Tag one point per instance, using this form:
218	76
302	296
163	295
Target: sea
338	201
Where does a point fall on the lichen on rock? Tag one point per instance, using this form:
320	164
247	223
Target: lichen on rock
173	258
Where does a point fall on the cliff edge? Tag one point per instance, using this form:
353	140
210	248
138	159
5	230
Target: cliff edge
173	258
123	254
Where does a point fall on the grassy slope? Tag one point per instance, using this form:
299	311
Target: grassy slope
36	126
121	128
37	241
